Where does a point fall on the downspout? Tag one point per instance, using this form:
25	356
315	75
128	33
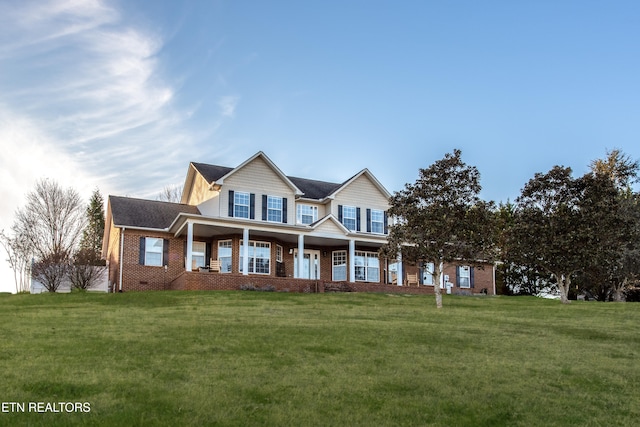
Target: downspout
494	278
121	258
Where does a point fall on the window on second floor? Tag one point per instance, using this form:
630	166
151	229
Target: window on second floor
241	204
306	214
376	221
349	217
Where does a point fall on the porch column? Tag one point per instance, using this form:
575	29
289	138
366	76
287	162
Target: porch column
352	260
189	260
400	278
300	259
245	251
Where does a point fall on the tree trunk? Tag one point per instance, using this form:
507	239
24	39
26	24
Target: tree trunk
436	284
618	289
563	285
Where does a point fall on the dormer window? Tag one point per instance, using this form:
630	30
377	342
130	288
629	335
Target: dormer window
307	214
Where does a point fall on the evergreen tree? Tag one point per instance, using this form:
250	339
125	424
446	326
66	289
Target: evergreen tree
91	242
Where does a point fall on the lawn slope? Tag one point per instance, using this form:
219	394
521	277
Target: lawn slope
253	358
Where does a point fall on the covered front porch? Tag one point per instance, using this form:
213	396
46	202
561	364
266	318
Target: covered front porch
330	252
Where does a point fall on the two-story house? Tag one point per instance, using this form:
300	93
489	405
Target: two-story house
251	220
254	225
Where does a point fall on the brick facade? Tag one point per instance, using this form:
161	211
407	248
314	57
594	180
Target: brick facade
138	277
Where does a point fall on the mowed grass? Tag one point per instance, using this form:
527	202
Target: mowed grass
249	358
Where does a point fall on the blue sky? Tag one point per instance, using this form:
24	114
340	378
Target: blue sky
122	95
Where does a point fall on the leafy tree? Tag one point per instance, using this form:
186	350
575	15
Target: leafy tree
618	167
50	225
548	234
441	218
614	223
91	242
513	278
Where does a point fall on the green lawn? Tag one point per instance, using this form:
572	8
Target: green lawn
253	358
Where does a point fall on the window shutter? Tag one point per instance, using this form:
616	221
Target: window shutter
165	251
386	223
252	206
284	210
207	253
457	275
368	220
357	219
264	207
340	213
471	276
142	249
231	199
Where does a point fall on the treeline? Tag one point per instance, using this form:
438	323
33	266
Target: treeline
56	238
579	235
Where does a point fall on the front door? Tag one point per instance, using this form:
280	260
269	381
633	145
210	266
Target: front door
311	264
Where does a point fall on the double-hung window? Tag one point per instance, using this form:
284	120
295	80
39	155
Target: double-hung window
377	221
339	271
427	273
259	257
274	209
198	253
367	266
152	247
241	203
464	276
349	217
224	255
307	214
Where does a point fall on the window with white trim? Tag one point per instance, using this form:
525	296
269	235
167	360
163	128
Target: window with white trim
464	279
259	257
224	255
278	253
339	267
241	203
427	273
153	250
367	266
377	221
274	209
307	214
198	253
349	217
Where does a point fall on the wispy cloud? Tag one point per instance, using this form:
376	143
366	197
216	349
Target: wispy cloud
228	105
82	101
78	74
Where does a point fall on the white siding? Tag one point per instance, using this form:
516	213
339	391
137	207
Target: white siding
361	193
200	191
257	177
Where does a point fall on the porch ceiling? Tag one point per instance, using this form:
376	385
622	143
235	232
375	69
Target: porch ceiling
285	236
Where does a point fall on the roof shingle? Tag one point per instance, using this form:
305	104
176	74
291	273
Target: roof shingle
130	212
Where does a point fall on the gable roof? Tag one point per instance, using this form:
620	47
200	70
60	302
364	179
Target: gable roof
369	175
211	173
306	188
314	189
130	212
